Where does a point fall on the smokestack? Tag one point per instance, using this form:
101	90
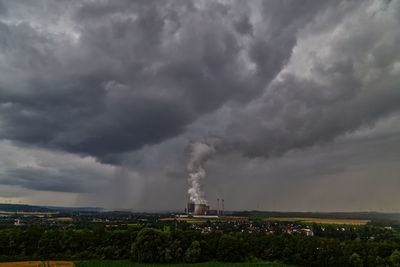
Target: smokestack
200	152
217	206
223	207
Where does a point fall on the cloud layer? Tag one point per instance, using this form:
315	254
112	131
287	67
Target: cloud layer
121	88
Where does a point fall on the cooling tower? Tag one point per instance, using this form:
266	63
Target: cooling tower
201	209
190	208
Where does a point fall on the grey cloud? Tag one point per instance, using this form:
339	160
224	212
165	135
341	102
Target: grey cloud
44	180
243	25
170	64
40	169
355	172
53	178
342	93
131	83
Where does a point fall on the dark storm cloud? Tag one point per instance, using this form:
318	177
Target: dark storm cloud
2	8
355	85
43	170
309	114
116	75
43	180
132	83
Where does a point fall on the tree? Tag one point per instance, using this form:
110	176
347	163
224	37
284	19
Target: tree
379	262
395	258
355	260
193	253
150	246
176	251
50	244
231	249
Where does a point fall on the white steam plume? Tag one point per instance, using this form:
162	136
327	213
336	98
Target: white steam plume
200	152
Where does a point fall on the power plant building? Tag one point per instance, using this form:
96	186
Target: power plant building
201	209
198	209
190	208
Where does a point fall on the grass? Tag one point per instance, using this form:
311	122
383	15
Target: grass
96	263
38	264
199	220
319	220
207	264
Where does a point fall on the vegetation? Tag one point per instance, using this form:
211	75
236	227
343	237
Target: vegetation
207	264
38	264
168	245
320	220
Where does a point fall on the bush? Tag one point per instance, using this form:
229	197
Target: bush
231	249
193	253
395	258
355	260
150	246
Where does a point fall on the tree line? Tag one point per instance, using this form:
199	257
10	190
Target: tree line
174	246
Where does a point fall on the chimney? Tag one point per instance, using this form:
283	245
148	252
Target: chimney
223	207
217	206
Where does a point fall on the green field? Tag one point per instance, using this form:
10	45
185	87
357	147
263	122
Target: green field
207	264
319	220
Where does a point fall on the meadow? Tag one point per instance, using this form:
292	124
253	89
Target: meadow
200	220
38	264
319	220
207	264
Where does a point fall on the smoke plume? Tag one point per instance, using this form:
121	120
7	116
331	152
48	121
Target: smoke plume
199	154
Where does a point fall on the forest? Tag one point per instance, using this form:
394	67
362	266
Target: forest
166	245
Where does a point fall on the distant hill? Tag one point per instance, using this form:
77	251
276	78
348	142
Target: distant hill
22	208
70	209
32	208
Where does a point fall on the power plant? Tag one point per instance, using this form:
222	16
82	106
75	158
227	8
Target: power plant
200	209
197	204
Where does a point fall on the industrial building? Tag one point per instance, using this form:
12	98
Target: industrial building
200	209
197	209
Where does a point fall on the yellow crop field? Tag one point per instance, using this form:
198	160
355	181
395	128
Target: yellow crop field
188	220
320	220
200	220
194	220
38	264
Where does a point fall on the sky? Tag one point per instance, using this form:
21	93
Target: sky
102	101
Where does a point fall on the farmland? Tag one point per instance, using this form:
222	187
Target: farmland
38	264
199	220
319	220
208	264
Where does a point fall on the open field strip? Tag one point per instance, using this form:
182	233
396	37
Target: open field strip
189	220
38	264
319	220
204	219
206	264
